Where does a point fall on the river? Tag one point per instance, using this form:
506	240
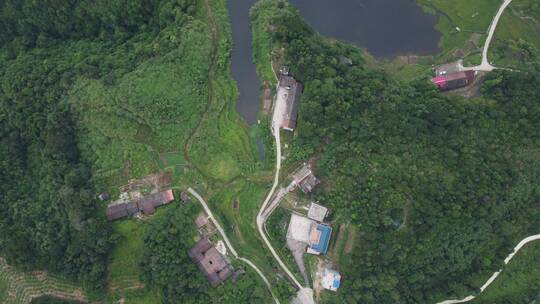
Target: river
242	66
387	28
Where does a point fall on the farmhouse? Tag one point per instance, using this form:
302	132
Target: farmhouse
289	91
146	205
454	80
149	203
214	266
317	212
305	179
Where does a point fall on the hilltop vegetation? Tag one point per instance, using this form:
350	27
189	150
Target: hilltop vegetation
440	187
93	94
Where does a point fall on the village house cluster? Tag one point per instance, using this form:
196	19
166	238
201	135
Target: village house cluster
311	230
211	262
211	259
146	205
140	196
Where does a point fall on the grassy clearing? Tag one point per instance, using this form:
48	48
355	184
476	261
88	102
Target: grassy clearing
20	287
124	262
469	16
237	206
516	40
221	148
125	125
518	283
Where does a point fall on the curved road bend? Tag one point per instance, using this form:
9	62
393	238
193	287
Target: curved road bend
523	242
228	243
485	65
260	217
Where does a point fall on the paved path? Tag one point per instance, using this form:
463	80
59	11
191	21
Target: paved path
228	243
485	65
523	242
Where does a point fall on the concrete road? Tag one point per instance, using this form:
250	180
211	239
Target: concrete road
485	65
228	243
491	279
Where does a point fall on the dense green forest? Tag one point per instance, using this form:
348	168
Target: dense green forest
440	187
50	218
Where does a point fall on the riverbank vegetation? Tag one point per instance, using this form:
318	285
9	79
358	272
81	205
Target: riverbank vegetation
440	188
463	24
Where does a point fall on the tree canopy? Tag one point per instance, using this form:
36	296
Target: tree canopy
440	186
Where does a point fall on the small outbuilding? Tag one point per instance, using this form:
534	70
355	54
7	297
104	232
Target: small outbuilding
103	196
305	179
201	220
317	212
331	279
185	197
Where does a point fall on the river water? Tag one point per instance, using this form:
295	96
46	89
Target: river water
242	66
387	28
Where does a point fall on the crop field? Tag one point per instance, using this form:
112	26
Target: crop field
124	262
20	288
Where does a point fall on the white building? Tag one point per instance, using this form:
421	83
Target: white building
331	279
317	212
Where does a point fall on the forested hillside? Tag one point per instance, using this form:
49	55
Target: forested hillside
440	187
95	93
50	218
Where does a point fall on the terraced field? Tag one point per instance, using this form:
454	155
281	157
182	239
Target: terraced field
21	288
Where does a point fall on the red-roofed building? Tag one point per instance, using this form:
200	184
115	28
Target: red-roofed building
147	205
454	80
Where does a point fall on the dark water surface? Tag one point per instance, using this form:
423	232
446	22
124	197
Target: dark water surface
387	28
243	68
